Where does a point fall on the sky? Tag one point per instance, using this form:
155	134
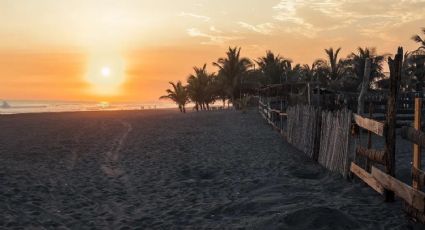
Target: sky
128	50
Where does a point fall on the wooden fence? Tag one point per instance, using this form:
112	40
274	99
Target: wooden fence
334	151
325	137
302	128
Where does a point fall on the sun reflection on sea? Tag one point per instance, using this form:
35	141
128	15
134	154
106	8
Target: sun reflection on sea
104	104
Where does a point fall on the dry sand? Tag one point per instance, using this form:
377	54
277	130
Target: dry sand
166	170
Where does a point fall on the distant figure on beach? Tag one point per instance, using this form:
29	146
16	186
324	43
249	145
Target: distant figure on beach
5	105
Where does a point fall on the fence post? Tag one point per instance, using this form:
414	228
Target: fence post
369	137
365	86
317	133
417	148
391	119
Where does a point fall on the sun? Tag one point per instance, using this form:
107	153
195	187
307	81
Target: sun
105	74
105	71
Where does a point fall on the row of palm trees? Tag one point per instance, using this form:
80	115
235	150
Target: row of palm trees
204	88
237	74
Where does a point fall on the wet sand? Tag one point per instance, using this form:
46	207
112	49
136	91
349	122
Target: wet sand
166	170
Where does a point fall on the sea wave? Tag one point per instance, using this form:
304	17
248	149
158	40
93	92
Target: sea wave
17	107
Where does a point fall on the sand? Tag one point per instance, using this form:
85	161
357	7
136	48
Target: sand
166	170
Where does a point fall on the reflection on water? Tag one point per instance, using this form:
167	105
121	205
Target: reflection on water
13	107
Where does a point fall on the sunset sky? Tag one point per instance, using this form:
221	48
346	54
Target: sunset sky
128	50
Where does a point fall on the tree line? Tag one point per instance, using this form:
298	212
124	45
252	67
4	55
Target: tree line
237	74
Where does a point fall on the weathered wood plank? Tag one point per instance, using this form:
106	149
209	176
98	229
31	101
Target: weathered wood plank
418	175
417	148
412	196
367	178
369	124
413	135
372	154
369	137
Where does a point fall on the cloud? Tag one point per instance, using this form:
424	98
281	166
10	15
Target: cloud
197	16
310	17
213	38
265	28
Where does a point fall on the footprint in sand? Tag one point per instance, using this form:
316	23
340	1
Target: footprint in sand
110	166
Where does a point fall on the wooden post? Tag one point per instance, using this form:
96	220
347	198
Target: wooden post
365	86
417	148
391	119
309	93
369	137
317	133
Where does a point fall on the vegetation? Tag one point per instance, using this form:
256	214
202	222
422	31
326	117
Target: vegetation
274	67
237	76
200	87
178	94
231	69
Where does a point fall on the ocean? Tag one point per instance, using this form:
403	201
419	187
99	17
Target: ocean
29	106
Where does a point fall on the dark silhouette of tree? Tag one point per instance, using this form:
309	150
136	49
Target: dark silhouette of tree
305	73
233	67
200	88
419	40
178	94
358	61
334	63
418	61
221	90
272	67
320	72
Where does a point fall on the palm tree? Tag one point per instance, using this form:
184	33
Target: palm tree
408	81
273	67
334	63
305	72
419	40
358	61
289	72
320	71
200	88
232	68
418	59
178	94
221	91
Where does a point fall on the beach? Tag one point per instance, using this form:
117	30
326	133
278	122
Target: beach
161	169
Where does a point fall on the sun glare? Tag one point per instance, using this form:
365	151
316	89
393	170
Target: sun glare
105	73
